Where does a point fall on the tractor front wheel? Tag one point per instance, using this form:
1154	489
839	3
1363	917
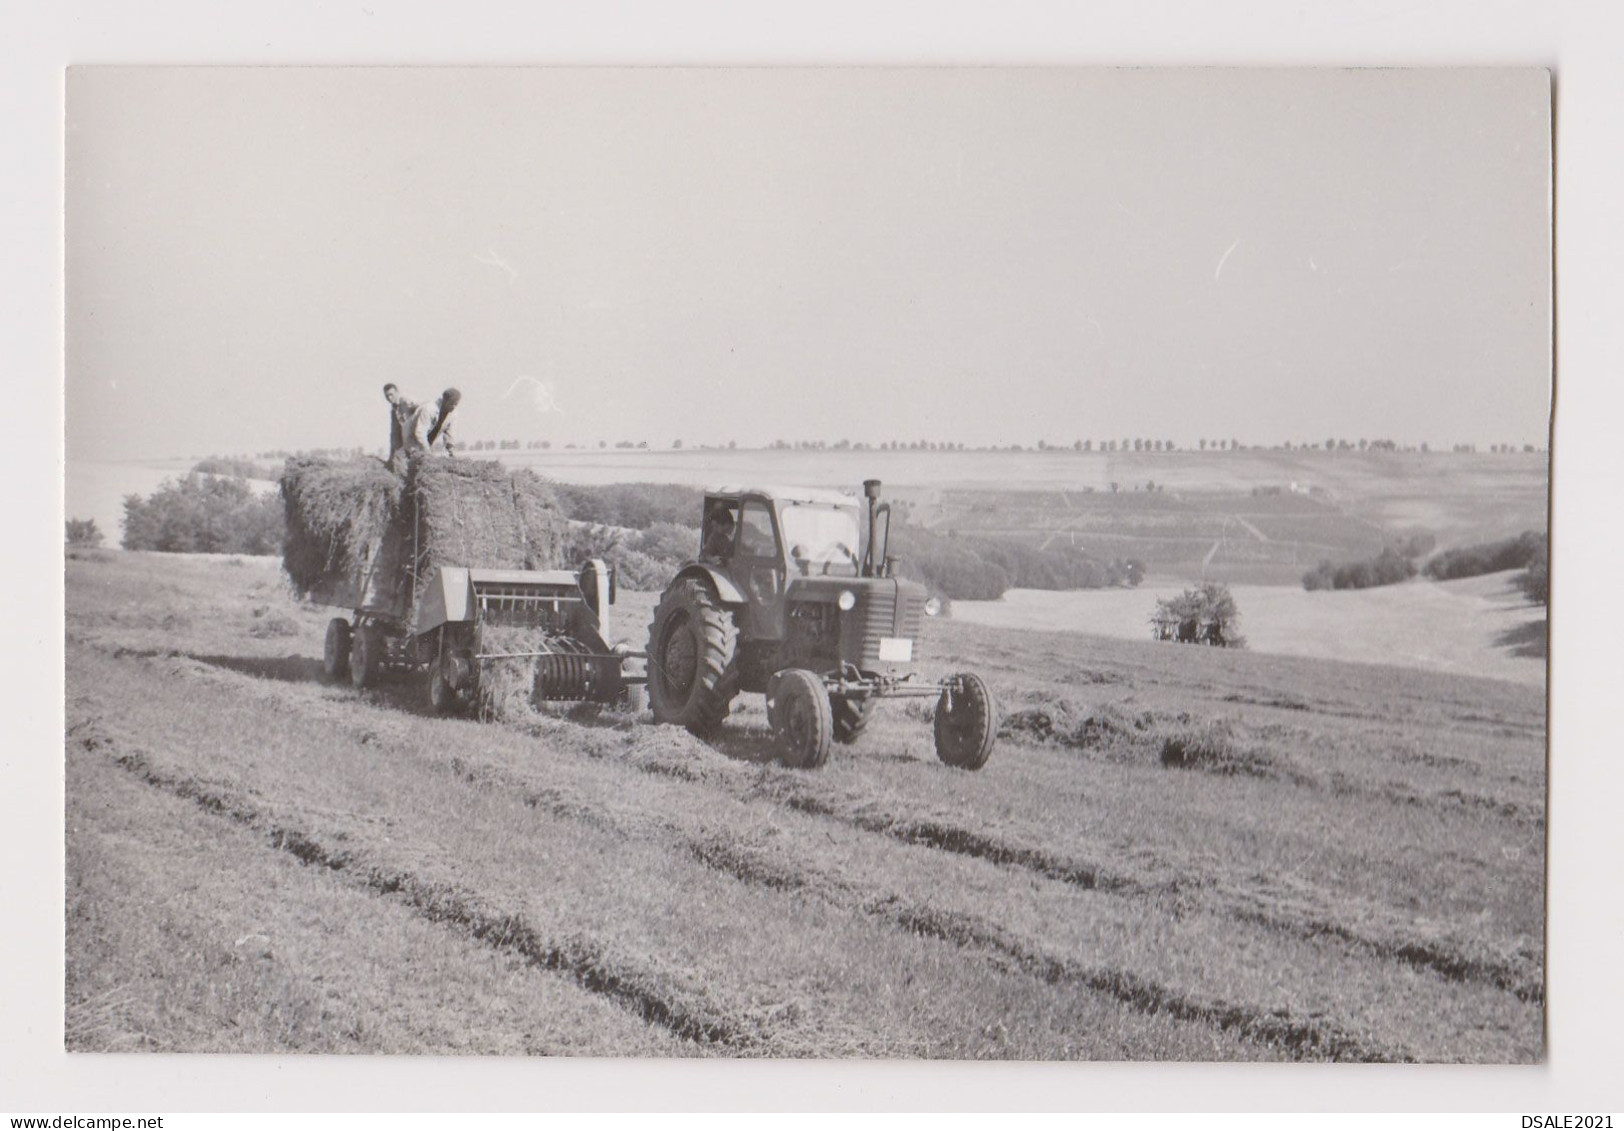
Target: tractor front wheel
692	670
966	723
851	716
798	710
366	656
335	656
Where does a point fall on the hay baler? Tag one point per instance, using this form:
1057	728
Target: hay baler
459	620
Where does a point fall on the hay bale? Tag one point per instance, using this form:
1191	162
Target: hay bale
478	513
506	685
353	525
337	514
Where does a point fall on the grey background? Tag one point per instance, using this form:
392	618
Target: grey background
1581	38
998	255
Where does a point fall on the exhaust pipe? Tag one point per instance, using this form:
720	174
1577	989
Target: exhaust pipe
873	561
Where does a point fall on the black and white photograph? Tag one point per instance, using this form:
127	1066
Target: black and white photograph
908	563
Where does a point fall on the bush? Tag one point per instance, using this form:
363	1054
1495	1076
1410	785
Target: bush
645	560
204	514
1206	614
636	505
982	569
1416	545
668	541
83	533
1489	557
1387	568
1535	581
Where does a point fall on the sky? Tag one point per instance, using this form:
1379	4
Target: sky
977	255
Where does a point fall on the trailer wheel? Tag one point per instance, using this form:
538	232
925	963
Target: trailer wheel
966	723
335	656
798	709
851	715
633	698
443	698
693	673
366	656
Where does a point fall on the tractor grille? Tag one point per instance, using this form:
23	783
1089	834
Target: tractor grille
876	616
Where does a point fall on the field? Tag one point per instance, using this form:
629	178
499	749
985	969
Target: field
1175	853
1480	626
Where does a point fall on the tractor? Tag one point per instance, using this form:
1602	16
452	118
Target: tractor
794	596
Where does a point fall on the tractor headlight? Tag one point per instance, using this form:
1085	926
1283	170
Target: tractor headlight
933	607
847	600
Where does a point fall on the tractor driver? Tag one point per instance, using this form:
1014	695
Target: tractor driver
718	543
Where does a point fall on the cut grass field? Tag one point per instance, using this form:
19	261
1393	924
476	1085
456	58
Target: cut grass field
1174	854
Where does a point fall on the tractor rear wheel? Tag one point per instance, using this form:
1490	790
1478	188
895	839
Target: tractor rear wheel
335	656
798	710
851	715
692	658
366	656
966	723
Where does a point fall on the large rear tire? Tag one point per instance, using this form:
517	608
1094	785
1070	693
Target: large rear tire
366	656
850	716
966	723
335	656
693	671
798	709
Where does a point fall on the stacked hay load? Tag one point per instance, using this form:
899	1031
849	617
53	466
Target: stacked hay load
338	511
353	526
478	513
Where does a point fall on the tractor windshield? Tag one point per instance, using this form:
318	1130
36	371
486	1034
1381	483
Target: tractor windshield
822	538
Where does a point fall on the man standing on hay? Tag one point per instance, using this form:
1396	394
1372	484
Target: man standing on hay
430	424
400	423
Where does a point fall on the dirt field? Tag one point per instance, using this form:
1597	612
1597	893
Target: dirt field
1175	853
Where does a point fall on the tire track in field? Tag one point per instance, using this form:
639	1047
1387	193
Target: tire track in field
585	960
704	767
1303	1038
1440	958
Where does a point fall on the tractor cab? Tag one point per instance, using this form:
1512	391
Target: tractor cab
808	533
771	541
